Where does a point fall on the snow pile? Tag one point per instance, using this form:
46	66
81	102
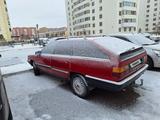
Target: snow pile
15	68
14	60
18	47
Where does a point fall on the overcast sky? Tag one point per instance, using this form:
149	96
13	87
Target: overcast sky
49	13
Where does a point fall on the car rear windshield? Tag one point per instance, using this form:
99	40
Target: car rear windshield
130	54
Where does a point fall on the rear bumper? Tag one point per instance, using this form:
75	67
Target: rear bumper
112	85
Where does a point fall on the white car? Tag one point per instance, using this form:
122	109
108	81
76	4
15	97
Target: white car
152	48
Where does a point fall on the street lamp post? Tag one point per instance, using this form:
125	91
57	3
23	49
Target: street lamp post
37	31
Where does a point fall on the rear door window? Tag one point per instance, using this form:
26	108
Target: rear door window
86	48
63	48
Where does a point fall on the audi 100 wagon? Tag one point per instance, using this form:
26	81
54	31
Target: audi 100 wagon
102	62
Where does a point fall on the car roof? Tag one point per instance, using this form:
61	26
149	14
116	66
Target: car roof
115	45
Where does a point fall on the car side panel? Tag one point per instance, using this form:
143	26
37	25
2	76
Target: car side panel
93	67
60	65
44	63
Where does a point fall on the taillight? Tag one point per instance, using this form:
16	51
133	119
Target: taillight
120	69
118	72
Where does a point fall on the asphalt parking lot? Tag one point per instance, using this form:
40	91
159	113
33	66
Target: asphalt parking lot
48	98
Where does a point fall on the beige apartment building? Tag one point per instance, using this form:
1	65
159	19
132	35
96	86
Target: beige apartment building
5	28
102	17
149	17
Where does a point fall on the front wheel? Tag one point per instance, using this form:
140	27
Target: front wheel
36	69
79	86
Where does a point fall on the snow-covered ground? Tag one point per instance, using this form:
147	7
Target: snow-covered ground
47	98
14	59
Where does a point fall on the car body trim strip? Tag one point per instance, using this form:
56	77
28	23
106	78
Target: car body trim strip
52	68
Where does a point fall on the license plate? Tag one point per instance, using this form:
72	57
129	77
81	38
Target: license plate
134	64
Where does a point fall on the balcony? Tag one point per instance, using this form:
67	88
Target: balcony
128	24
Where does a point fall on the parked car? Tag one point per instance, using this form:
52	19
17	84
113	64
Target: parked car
103	62
155	38
152	48
5	111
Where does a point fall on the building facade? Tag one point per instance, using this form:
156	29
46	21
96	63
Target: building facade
23	33
149	17
5	27
52	32
101	17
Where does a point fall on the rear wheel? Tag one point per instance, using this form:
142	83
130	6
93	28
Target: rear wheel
79	86
36	69
150	63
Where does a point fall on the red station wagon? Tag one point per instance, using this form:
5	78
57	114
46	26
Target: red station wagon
103	62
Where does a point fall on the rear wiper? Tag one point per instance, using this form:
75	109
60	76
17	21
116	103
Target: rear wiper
146	44
151	44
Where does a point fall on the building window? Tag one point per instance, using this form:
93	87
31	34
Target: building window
93	18
154	19
155	9
94	25
100	1
120	21
147	29
119	29
100	31
100	16
93	32
100	8
125	29
100	23
93	11
93	3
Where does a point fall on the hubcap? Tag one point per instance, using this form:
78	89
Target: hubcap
78	86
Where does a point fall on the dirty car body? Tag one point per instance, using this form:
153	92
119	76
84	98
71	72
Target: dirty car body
103	62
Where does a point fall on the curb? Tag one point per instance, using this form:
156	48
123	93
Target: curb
11	74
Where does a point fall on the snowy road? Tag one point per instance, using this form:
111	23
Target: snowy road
46	98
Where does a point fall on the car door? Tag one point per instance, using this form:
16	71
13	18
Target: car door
5	111
44	59
60	60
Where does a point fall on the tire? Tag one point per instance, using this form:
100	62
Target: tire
36	70
79	86
10	117
150	63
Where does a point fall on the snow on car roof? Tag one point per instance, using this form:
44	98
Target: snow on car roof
115	45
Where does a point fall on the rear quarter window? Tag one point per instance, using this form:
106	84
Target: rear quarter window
87	49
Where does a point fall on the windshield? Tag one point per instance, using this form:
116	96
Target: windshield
141	40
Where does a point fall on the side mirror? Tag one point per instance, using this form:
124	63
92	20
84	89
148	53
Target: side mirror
38	53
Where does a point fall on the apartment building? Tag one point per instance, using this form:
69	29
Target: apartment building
149	17
52	32
23	33
5	28
102	17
